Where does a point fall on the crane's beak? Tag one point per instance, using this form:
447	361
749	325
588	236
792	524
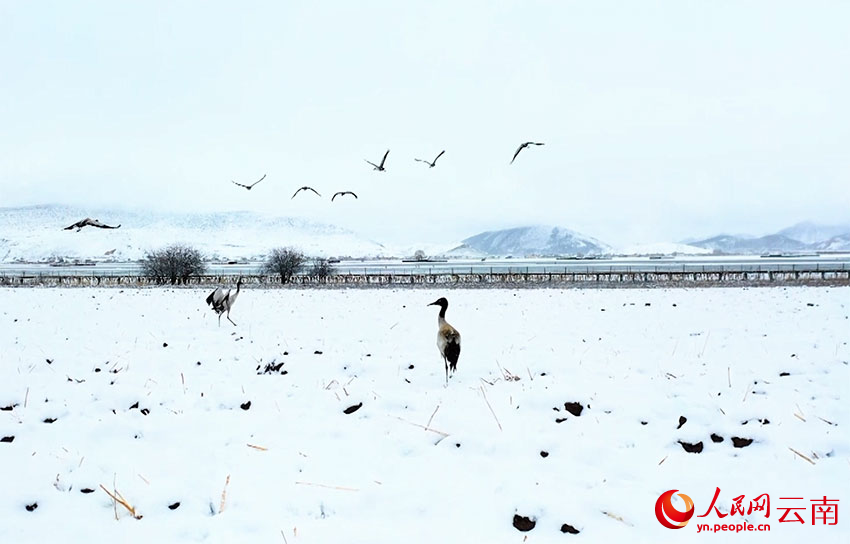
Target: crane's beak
432	304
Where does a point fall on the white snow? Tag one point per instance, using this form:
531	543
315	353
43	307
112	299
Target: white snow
663	248
714	356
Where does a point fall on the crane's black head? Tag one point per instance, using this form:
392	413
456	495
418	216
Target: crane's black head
441	302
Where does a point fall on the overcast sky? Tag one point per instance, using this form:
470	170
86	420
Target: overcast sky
662	120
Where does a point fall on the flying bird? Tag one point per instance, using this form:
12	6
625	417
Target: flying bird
380	167
89	222
432	163
523	146
222	300
305	188
252	185
448	339
342	193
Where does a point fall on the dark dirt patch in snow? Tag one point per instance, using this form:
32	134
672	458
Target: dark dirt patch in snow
352	409
741	442
523	523
716	438
691	448
567	528
575	408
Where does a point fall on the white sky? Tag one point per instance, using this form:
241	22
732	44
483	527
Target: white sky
662	120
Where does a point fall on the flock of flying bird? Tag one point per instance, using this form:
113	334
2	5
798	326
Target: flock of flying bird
89	222
380	168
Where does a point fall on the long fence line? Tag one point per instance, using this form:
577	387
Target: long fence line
661	277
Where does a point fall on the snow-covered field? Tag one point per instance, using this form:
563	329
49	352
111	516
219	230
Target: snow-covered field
142	392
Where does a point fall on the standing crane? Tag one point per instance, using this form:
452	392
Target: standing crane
448	339
222	300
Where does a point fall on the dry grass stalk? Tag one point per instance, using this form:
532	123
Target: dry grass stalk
665	458
224	495
423	427
261	448
337	487
490	407
118	499
801	455
798	416
618	518
430	419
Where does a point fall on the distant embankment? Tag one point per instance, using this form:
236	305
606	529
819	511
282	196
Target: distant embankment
591	279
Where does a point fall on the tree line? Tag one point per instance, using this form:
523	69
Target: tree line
177	263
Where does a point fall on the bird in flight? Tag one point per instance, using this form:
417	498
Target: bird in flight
342	193
523	146
433	163
305	188
89	222
250	186
380	167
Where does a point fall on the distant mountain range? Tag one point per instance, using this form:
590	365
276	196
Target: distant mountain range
538	240
801	237
35	233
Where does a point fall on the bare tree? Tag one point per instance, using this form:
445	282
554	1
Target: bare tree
284	262
321	268
175	264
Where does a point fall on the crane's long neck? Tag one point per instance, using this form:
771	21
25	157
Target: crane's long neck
442	317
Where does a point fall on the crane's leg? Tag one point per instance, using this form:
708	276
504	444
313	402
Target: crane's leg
447	370
228	318
219	319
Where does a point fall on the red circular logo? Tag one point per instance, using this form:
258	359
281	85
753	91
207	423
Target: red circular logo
667	514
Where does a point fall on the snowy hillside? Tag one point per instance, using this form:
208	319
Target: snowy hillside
740	245
533	241
36	234
323	416
811	233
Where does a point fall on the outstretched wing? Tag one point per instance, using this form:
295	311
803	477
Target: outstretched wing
296	192
420	160
98	224
372	163
385	158
239	184
335	195
520	148
258	181
315	191
438	156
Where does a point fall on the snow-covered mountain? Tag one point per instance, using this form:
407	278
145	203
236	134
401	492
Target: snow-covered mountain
35	233
536	240
813	233
805	236
725	243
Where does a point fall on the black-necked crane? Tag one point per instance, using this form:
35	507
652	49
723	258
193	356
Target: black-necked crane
249	187
523	146
431	164
89	222
448	339
342	193
222	300
380	167
305	188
